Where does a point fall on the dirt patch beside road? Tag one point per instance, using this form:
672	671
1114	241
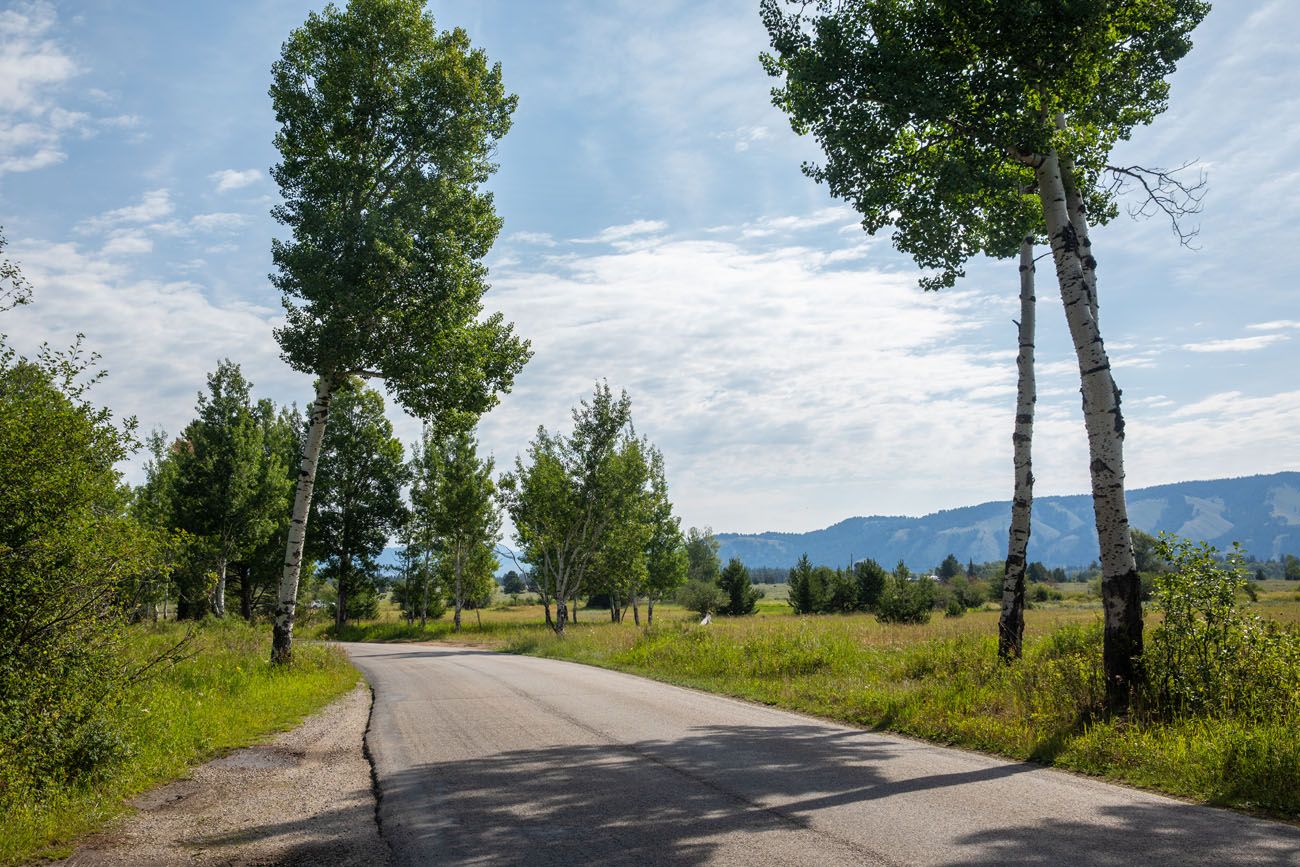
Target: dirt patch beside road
304	798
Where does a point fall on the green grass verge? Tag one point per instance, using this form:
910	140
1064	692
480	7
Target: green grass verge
225	695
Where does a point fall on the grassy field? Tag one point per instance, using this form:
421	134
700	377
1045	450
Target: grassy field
938	681
224	695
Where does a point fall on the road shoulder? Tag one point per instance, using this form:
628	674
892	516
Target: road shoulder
305	797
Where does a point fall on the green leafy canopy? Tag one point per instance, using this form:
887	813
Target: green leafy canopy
387	132
930	112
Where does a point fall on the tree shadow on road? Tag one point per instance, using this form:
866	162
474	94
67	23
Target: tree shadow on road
679	802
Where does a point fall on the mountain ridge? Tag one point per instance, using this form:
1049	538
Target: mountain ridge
1260	511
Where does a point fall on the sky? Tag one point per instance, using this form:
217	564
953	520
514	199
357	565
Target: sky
659	233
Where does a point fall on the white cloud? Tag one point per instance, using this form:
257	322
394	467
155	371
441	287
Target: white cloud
127	242
1275	325
1237	344
744	136
158	337
541	239
754	368
234	179
784	225
154	205
613	234
218	222
32	69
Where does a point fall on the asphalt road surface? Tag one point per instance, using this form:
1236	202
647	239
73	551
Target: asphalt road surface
486	758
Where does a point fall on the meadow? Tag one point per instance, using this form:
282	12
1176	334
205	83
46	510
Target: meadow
221	695
940	682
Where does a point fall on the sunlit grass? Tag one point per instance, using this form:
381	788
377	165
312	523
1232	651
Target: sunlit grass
224	695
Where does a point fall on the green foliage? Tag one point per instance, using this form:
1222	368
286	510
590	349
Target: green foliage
741	594
71	558
907	598
231	487
802	595
222	694
387	134
1292	568
703	562
927	133
1208	656
591	510
702	597
512	584
950	568
357	501
871	577
667	562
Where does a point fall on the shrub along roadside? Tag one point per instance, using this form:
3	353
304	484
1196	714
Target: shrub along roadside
224	695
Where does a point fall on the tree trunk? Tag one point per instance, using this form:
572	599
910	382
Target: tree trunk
219	595
575	610
546	606
459	593
246	592
1122	606
1011	625
650	611
636	611
561	615
287	602
341	605
1078	218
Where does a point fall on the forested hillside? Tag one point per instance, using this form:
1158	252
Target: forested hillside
1260	512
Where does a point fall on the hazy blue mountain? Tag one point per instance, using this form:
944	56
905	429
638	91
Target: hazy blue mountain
1260	512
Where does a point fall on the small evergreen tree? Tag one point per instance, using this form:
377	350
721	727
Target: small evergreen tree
801	596
870	577
742	595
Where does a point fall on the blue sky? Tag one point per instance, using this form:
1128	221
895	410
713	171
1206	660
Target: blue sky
658	232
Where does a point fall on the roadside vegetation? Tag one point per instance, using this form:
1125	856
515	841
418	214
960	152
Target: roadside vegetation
1215	723
220	693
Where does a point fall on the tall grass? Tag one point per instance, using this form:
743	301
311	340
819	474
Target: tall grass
225	694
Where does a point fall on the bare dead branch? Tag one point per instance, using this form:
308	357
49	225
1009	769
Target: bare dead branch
1162	191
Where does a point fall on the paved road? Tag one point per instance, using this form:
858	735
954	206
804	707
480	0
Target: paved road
493	759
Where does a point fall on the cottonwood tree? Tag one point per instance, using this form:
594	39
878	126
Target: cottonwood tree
703	562
387	131
562	501
358	503
455	498
968	126
1011	623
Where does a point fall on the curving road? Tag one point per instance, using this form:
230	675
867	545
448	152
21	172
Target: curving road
485	758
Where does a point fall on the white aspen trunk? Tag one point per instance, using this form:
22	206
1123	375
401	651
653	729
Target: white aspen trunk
1121	656
1079	219
650	611
219	595
1011	625
282	617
